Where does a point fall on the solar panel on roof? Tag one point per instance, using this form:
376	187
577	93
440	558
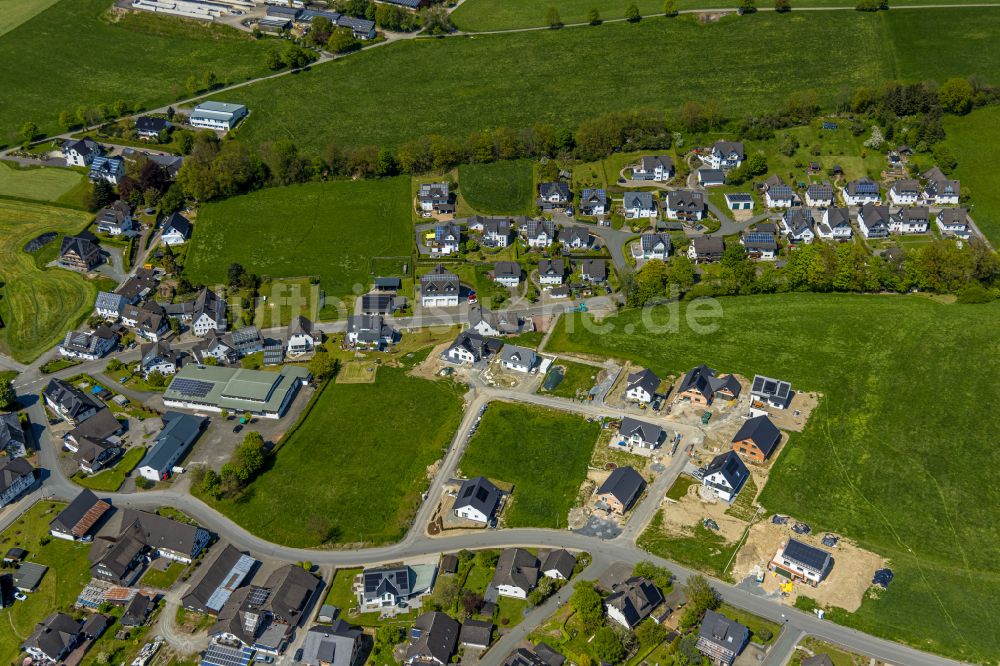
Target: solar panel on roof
192	387
759	237
258	595
223	655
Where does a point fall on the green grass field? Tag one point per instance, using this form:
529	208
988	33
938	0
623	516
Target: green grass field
138	57
42	184
15	12
578	379
163	580
884	460
543	452
37	306
327	229
69	571
501	188
973	139
358	462
110	480
483	15
914	33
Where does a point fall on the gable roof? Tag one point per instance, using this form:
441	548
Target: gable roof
574	235
731	468
80	245
687	200
708	245
439	281
13	470
635	598
535	227
648	432
101	425
551	188
507	269
228	571
518	355
725	148
871	215
80	515
624	484
650	241
518	568
434	637
478	493
71	400
650	162
551	267
723	632
645	379
595	269
640	200
820	191
178	433
862	186
761	431
11	433
808	556
770	388
560	560
178	223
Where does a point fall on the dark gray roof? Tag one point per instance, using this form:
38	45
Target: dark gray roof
645	379
101	425
476	344
837	216
178	434
954	217
536	227
439	281
11	433
704	380
650	162
722	631
799	219
545	190
151	124
708	245
157	352
871	215
724	148
28	575
651	240
136	611
806	555
817	660
574	234
711	176
649	432
332	644
635	598
731	468
476	632
434	637
54	637
641	200
761	431
388	283
518	355
552	267
480	494
595	269
228	571
507	269
906	186
159	532
767	387
83	511
820	191
625	484
560	560
909	214
518	568
863	186
13	470
178	223
71	400
397	581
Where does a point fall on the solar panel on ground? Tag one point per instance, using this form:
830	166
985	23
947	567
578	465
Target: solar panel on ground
192	387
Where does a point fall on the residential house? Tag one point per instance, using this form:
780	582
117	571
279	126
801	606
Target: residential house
640	434
685	205
81	152
88	346
16	476
558	564
370	331
445	239
139	287
835	224
176	229
739	201
632	601
300	336
701	386
13	440
594	271
388	284
496	231
705	249
206	312
777	194
215	346
621	489
175	439
775	392
149	320
539	233
386	587
575	238
150	127
541	655
904	192
759	245
359	27
721	639
725	476
159	357
517	573
659	168
78	518
109	305
53	639
384	303
101	426
873	221
551	272
337	644
439	288
594	201
819	195
435	198
478	500
800	561
69	402
637	205
92	454
108	169
507	273
941	190
487	322
954	222
433	640
641	386
476	634
471	347
519	359
711	177
219	116
655	245
821	659
860	192
757	438
725	155
116	219
798	225
120	558
553	195
80	252
137	611
910	220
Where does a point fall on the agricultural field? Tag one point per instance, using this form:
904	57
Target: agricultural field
912	34
38	305
973	139
331	230
69	571
62	186
501	188
754	65
137	57
864	447
484	15
543	452
360	478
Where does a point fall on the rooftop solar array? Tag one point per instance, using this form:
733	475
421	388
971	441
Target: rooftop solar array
742	198
759	237
223	655
191	387
257	596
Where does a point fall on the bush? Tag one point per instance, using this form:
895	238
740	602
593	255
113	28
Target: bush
974	294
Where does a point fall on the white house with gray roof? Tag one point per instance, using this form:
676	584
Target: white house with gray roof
777	194
539	233
489	323
941	190
819	195
439	288
658	168
517	573
477	500
88	346
725	155
910	220
641	386
835	224
178	434
219	116
640	434
594	201
109	305
518	359
575	238
369	331
685	205
654	245
954	222
471	347
873	221
638	205
300	336
551	272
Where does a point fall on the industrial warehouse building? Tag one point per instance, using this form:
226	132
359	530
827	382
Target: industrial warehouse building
213	389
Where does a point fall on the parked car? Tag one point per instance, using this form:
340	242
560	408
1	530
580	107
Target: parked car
237	428
298	655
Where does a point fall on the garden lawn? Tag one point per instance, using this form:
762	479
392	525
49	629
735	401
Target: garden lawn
330	229
163	580
974	139
882	461
578	379
501	188
42	184
342	596
110	480
37	306
358	462
137	57
15	12
69	571
543	452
